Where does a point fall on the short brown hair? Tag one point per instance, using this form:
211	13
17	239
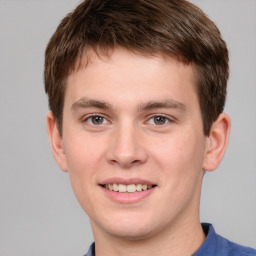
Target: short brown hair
169	27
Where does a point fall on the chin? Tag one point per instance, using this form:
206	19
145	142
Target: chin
131	227
132	233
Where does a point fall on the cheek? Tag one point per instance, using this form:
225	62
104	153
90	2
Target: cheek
81	168
180	157
83	153
180	164
83	156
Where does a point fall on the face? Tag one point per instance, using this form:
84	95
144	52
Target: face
133	143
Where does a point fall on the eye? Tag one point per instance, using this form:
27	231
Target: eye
159	120
96	120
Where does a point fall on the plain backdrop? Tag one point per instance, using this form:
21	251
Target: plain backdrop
39	214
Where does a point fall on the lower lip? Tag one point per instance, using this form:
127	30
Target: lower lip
127	198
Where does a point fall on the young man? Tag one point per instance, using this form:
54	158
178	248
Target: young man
136	92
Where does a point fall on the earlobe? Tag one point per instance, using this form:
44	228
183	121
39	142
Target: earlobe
218	141
56	141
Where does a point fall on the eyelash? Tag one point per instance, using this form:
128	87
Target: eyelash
167	120
87	118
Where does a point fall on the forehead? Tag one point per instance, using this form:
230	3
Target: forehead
124	74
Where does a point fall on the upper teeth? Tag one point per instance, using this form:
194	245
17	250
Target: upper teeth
127	188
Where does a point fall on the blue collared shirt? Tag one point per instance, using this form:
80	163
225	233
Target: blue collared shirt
214	245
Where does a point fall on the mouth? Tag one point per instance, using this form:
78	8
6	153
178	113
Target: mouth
130	188
127	191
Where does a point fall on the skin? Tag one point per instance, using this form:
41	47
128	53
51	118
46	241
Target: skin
128	92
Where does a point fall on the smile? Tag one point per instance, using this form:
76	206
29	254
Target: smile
131	188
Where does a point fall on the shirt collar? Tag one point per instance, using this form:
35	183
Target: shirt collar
209	245
207	248
91	251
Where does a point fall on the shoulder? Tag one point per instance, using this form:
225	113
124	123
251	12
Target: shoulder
229	248
216	245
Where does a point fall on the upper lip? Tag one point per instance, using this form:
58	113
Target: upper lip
117	180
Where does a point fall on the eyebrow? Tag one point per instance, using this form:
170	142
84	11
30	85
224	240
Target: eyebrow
89	103
168	104
150	105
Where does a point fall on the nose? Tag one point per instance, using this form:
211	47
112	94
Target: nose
126	147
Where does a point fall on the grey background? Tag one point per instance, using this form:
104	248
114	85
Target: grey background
39	214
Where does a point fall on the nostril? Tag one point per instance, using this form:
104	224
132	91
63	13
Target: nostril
125	162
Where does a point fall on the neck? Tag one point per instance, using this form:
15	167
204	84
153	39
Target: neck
175	241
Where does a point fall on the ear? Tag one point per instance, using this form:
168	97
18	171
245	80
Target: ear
56	142
217	142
